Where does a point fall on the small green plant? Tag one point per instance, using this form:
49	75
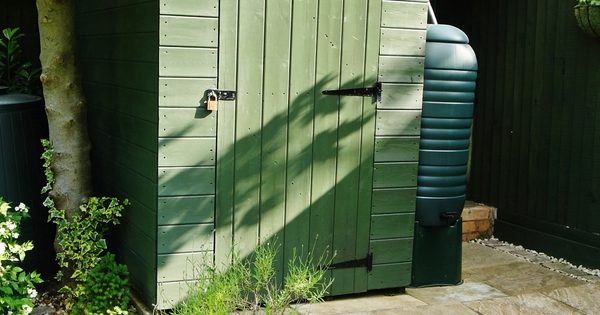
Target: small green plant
17	289
251	285
105	289
82	244
17	75
589	2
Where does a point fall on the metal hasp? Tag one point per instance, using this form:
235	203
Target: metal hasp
222	95
365	262
374	91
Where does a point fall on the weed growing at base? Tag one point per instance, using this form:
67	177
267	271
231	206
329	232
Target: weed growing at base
251	284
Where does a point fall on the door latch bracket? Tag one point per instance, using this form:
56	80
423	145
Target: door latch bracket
222	95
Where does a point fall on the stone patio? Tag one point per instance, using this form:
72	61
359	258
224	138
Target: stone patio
498	279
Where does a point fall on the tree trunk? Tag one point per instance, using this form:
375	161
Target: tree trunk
65	104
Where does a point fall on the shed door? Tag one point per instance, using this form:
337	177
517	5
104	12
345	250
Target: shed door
293	164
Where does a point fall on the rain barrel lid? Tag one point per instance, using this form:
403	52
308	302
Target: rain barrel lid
15	101
443	33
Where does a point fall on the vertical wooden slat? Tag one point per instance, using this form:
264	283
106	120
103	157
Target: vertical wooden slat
558	33
525	113
367	141
248	125
226	132
300	127
349	143
537	114
329	36
274	125
499	59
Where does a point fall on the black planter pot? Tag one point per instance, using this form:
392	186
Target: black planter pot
588	18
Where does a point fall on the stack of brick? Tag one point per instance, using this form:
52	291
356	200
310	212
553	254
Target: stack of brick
477	221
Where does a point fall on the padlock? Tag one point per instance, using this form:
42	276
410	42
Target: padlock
212	101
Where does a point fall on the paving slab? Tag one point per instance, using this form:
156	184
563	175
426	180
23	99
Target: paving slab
585	298
468	291
521	277
360	305
530	304
479	256
446	309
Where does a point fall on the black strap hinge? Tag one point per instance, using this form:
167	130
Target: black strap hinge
374	91
365	262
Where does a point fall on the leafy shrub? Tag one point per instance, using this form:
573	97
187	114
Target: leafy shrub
17	75
589	2
16	285
106	289
82	243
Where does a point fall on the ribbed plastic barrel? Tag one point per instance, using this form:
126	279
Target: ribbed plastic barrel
448	96
22	124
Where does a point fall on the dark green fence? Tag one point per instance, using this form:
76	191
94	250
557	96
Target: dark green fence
536	137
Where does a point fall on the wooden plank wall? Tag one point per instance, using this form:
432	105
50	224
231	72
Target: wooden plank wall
118	42
401	57
536	137
188	42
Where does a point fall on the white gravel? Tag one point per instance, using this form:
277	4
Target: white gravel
543	259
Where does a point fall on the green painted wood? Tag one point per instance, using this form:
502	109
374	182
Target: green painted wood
189	31
300	131
328	52
274	125
404	14
124	47
186	266
186	151
138	104
384	226
142	278
138	18
225	141
401	69
184	238
179	181
396	149
121	178
401	96
187	62
368	137
118	53
394	200
402	42
124	127
390	275
89	6
139	160
131	75
247	154
398	123
390	175
184	92
186	122
135	239
186	210
191	7
391	250
172	293
346	224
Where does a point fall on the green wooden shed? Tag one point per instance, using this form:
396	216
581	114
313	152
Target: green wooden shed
280	161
